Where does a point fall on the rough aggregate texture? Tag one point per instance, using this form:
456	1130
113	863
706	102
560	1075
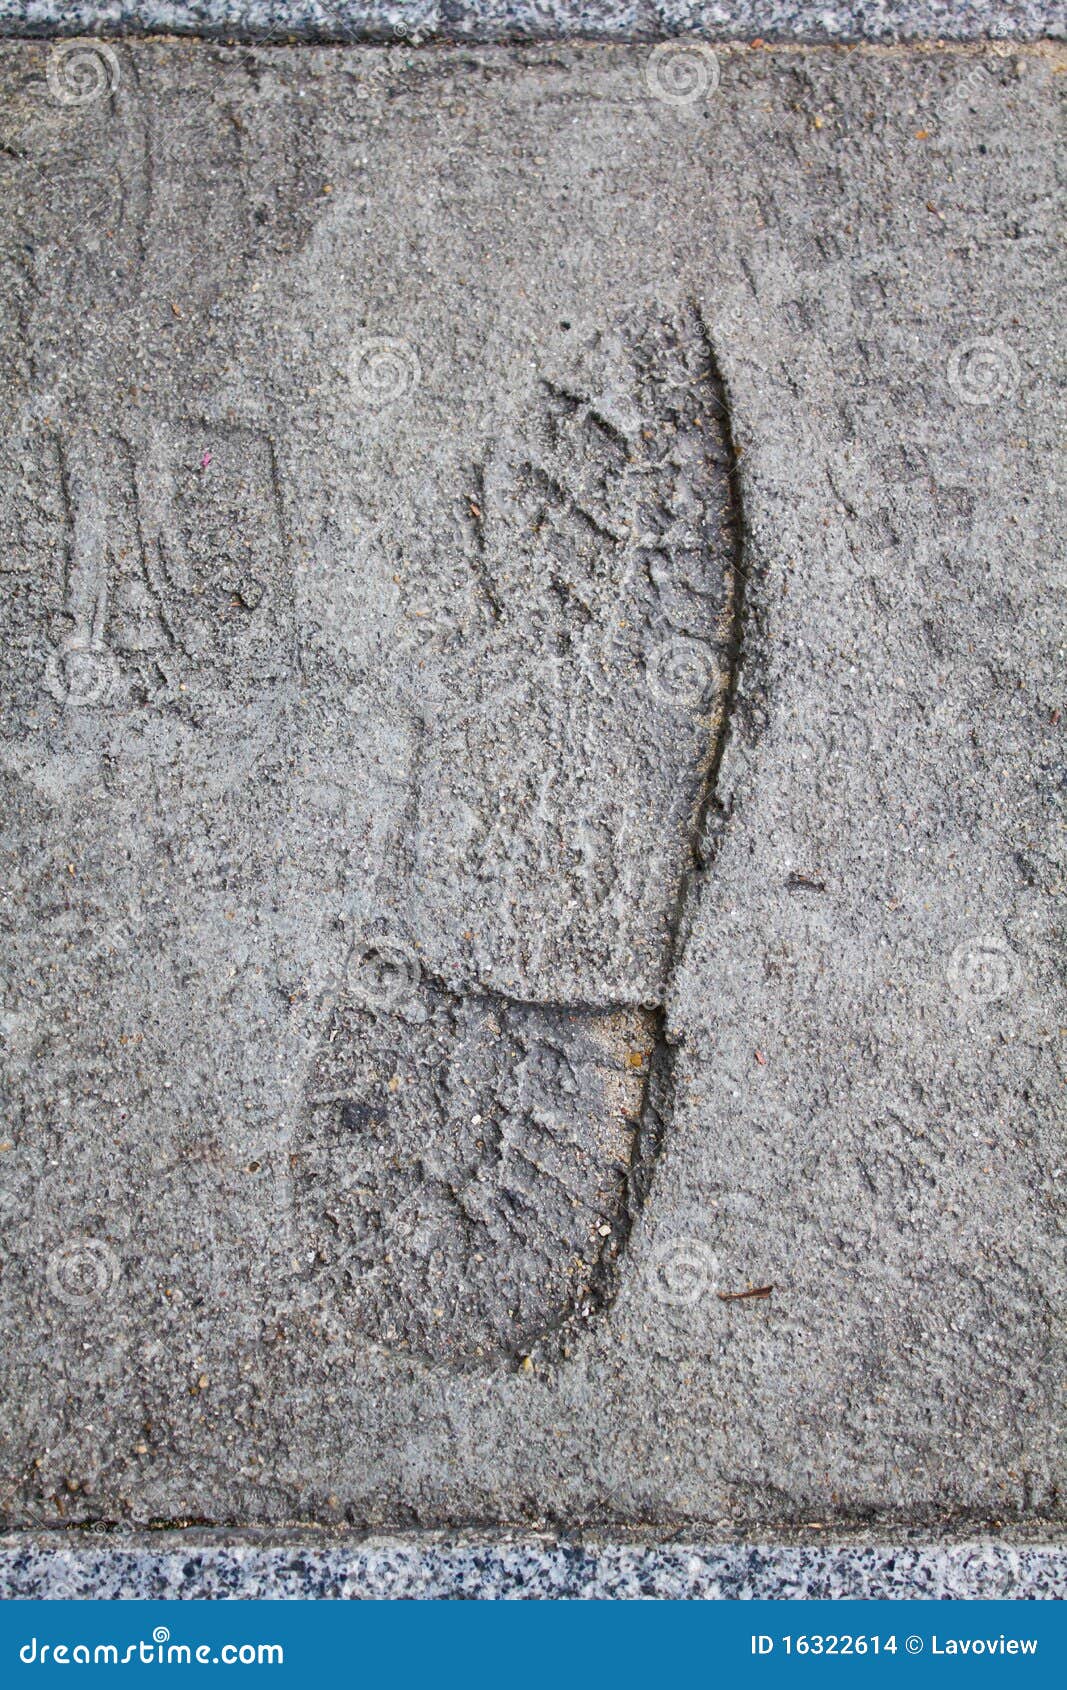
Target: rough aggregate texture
496	20
529	595
471	1569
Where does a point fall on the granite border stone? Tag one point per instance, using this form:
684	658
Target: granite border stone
516	20
189	1565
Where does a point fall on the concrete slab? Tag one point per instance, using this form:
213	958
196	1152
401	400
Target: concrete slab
530	649
504	20
218	1566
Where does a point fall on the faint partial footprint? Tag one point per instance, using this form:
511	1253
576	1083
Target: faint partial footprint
492	1086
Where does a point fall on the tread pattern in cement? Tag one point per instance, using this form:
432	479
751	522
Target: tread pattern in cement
471	1165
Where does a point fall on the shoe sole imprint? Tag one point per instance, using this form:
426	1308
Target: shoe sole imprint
493	1086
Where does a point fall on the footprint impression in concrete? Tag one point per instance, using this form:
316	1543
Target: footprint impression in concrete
492	1081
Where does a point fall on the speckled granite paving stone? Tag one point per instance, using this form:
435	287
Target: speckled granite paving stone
501	20
528	1570
530	643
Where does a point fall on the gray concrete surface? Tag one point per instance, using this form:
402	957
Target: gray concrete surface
501	20
532	671
218	1566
